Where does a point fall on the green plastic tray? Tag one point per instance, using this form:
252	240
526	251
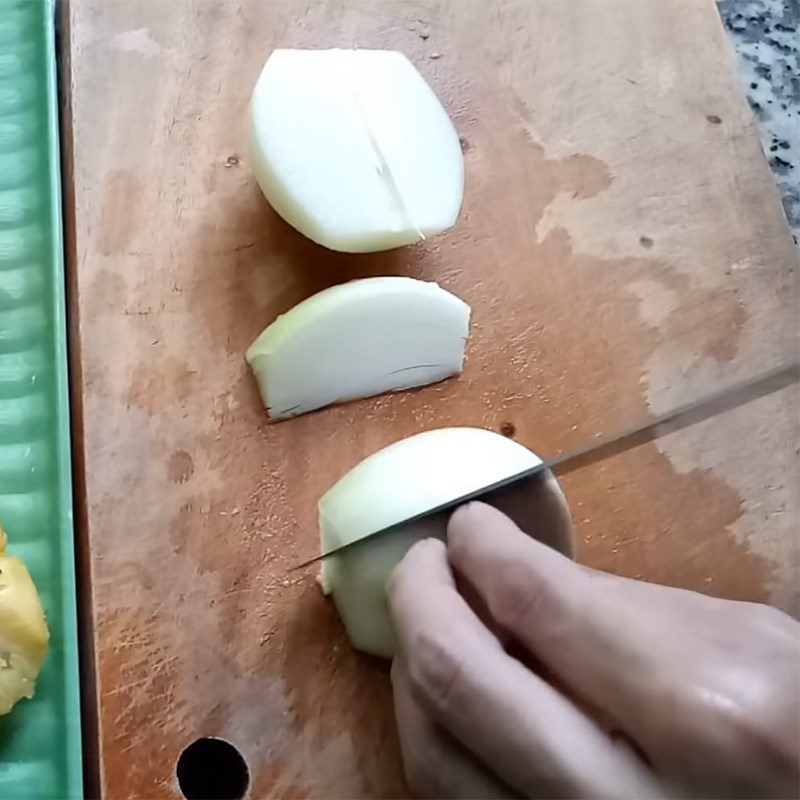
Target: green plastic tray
40	741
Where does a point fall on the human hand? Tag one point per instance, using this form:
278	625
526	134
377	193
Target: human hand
521	673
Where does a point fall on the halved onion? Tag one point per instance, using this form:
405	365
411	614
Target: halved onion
353	149
407	478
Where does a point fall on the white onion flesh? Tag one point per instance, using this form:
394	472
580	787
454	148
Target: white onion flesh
353	148
359	339
407	478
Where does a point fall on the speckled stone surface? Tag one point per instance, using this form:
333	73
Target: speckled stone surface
766	37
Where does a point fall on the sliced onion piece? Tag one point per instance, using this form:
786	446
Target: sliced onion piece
408	478
353	149
359	339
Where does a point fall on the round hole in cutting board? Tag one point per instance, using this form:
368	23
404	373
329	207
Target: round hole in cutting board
508	429
212	769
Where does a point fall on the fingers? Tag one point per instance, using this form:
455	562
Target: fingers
435	764
515	574
514	722
695	686
657	663
583	626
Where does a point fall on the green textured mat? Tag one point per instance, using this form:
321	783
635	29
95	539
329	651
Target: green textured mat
40	742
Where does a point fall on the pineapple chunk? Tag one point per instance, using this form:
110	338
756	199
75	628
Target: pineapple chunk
24	636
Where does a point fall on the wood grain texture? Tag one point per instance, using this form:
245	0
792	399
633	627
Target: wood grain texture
621	245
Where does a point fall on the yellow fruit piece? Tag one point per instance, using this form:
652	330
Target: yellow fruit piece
24	637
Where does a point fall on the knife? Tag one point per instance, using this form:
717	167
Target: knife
652	428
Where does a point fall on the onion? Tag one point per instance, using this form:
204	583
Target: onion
408	478
359	339
353	149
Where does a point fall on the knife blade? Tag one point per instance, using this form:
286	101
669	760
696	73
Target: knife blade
652	428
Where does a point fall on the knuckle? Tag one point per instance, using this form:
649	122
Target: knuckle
752	737
436	671
733	724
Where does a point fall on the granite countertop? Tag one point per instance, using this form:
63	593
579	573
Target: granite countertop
766	37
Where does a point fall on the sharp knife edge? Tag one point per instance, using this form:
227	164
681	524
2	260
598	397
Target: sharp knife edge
684	416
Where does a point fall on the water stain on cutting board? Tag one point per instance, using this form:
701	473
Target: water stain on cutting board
671	527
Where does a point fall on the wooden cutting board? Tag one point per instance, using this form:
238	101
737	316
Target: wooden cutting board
621	245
